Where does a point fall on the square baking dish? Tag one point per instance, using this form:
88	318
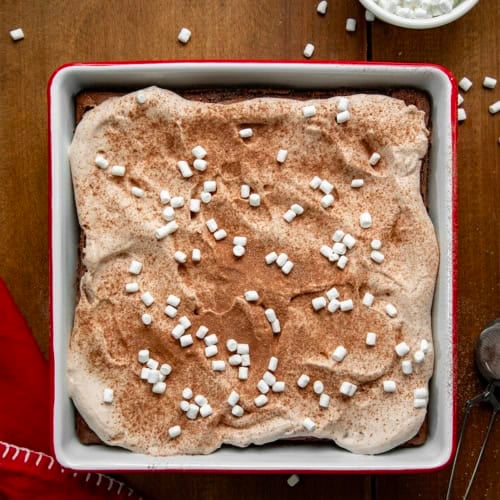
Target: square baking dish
68	80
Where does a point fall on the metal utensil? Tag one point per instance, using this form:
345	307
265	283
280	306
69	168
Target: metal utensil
488	363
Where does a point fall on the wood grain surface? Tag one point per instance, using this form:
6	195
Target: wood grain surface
59	31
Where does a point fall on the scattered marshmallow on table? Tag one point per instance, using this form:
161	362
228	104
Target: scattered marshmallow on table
243	373
254	200
238	250
251	296
210	186
137	192
318	303
402	349
407	367
308	424
282	156
168	214
494	108
118	170
308	50
184	35
377	256
244	190
180	257
327	201
371	339
322	7
376	244
132	287
147	299
389	386
146	319
174	431
365	220
374	159
346	305
315	182
107	395
184	169
196	255
199	152
339	354
245	133
186	340
164	197
237	411
318	387
460	100
164	231
16	34
391	310
218	365
281	259
273	364
260	400
343	117
461	115
309	111
489	82
135	267
143	356
211	225
220	234
368	299
303	380
200	165
293	480
350	24
465	84
101	162
418	357
159	387
324	400
233	398
369	16
205	197
194	205
357	183
348	389
177	202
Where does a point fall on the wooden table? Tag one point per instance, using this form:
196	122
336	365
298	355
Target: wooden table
61	31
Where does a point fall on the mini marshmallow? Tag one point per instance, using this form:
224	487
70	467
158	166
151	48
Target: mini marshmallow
368	299
107	395
220	234
389	386
269	378
263	387
245	360
184	35
406	367
211	339
369	16
461	115
16	34
152	364
365	220
200	400
137	192
489	82
357	183
289	215
465	84
187	393
297	209
315	182
343	117
135	267
420	403
143	356
233	398
186	340
167	229
348	389
144	373
326	186
205	197
460	100
237	411
270	315
371	338
118	170
147	299
212	225
333	306
238	251
101	162
342	104
281	259
200	165
332	294
178	331
278	386
243	373
146	319
339	354
211	351
193	411
339	248
184	406
421	393
308	424
419	357
153	376
282	156
245	133
346	305
494	108
180	257
402	349
184	169
350	24
132	287
199	152
196	255
254	200
318	387
321	8
391	310
318	303
424	346
234	360
232	345
177	202
194	205
326	251
309	111
349	241
210	186
165	369
276	326
293	480
376	244
240	240
271	257
168	214
244	190
243	349
374	159
308	50
251	296
260	400
324	400
273	364
287	267
159	388
173	300
218	365
327	201
303	380
164	196
174	431
377	256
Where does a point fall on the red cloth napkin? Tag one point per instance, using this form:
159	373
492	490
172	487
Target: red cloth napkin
27	469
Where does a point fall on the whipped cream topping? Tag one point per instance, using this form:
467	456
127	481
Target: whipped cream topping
149	139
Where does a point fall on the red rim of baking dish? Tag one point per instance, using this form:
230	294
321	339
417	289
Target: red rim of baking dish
454	257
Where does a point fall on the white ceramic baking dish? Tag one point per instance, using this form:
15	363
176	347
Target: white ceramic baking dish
67	81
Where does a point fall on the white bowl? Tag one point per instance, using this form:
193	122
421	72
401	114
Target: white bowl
281	457
419	24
